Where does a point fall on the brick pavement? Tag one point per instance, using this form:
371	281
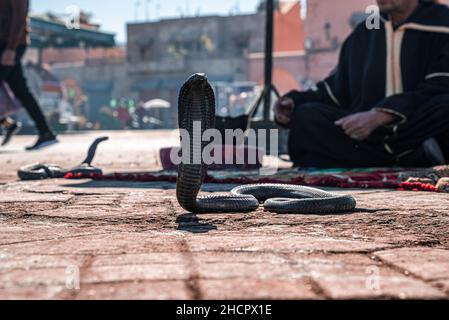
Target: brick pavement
128	240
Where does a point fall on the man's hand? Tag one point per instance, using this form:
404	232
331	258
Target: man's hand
8	58
283	110
360	126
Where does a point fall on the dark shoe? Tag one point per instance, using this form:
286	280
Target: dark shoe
9	132
428	155
433	152
43	141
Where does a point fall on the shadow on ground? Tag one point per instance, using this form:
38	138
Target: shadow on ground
191	223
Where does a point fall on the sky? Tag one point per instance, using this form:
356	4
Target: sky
114	14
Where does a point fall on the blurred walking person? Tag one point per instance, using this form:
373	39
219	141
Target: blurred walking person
13	44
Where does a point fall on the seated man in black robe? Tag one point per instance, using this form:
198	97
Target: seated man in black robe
387	102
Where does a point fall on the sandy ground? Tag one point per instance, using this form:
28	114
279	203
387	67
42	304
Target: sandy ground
106	240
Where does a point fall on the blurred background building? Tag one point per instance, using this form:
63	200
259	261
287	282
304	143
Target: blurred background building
86	81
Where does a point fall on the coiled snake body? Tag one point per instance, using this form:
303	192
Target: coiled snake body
197	105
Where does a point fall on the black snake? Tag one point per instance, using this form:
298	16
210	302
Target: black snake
40	171
197	104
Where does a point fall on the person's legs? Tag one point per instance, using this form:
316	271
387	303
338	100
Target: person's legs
443	140
17	82
315	141
19	87
444	147
10	126
3	73
430	121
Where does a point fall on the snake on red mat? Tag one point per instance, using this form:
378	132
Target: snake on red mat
197	104
40	171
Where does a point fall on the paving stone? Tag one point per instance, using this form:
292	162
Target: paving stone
31	232
242	288
82	212
279	243
149	258
140	290
96	200
134	272
222	266
10	261
443	285
110	243
426	263
352	276
405	202
26	278
19	197
34	292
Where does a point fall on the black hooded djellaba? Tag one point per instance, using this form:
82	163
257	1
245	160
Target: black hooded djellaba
402	70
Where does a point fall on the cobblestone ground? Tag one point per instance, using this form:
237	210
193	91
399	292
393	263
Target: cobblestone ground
132	240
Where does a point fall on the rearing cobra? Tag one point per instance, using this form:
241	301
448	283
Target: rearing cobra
197	104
